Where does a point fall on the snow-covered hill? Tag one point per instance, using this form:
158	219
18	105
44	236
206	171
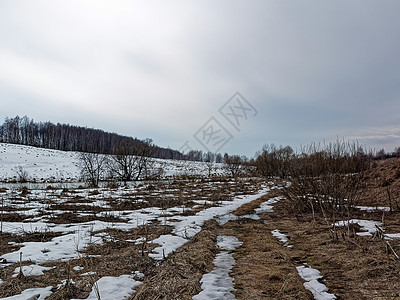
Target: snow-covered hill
54	165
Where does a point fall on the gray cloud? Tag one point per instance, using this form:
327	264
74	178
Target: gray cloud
314	70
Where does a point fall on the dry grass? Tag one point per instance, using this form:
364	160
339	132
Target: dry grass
178	277
263	268
383	184
112	258
353	267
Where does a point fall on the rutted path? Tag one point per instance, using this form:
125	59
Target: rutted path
259	266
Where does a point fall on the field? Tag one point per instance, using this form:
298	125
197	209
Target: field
193	236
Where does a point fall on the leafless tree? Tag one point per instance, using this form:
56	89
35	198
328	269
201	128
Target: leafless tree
233	164
210	167
130	160
22	174
145	152
92	167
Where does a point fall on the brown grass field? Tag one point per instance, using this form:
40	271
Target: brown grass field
352	266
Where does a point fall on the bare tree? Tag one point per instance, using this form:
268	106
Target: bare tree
123	160
22	174
92	167
145	162
233	164
130	160
210	167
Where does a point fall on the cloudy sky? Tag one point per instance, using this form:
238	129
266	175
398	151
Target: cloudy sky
312	70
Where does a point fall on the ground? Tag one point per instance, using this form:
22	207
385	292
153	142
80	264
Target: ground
159	240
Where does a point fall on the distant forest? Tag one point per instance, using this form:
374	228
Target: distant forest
67	137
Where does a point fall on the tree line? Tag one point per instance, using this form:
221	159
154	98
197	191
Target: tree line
65	137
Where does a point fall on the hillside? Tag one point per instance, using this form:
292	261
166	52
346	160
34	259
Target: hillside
62	166
66	137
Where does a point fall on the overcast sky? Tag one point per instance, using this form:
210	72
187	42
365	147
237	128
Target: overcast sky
312	70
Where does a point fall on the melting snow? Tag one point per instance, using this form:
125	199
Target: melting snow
267	205
189	226
168	243
32	270
222	220
392	235
32	294
111	288
218	284
281	237
372	208
312	284
367	226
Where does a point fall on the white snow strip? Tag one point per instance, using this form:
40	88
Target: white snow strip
267	205
32	270
222	220
226	242
251	217
282	238
32	294
1	281
168	243
392	235
373	208
367	226
312	284
88	274
218	284
189	226
111	288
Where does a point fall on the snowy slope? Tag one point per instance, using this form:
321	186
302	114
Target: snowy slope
54	165
41	164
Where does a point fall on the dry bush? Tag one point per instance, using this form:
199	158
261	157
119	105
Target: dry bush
327	180
274	161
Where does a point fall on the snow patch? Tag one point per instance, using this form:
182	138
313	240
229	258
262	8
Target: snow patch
229	243
111	288
32	294
392	235
189	226
367	226
267	205
168	243
282	238
373	208
32	270
218	284
312	284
